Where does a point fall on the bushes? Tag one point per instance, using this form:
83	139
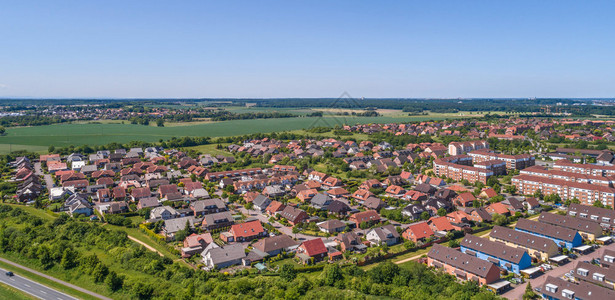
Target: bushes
131	271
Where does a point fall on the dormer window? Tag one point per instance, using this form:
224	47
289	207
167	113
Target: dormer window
598	276
582	272
551	288
568	294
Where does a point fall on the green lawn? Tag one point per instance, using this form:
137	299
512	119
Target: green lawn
141	236
7	292
43	214
38	138
211	149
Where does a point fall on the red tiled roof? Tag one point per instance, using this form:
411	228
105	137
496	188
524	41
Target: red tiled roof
247	229
314	247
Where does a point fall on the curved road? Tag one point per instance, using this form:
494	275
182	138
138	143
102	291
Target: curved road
38	290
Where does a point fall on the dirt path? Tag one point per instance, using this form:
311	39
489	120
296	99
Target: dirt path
408	259
145	245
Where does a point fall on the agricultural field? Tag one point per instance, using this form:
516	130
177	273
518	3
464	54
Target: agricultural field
38	138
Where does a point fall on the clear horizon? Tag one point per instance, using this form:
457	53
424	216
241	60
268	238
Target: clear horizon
317	49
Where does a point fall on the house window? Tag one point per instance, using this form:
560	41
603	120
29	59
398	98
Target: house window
595	218
582	272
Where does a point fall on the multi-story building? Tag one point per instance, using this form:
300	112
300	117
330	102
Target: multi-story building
588	169
587	229
506	257
585	192
538	247
457	148
460	172
513	162
497	166
462	266
603	216
563	237
567	176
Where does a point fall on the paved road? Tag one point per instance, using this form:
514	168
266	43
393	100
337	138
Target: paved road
38	170
518	291
29	285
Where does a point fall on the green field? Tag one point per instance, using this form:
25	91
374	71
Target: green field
7	292
38	138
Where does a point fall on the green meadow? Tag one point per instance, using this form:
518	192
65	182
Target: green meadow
38	138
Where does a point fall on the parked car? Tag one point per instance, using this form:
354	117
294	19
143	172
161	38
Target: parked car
572	255
538	290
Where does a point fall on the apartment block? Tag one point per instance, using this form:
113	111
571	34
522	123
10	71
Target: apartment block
585	192
513	162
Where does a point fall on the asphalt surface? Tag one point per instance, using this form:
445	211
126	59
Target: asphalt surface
30	287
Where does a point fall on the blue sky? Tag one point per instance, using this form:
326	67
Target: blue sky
261	49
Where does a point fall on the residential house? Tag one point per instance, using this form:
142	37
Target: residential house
332	226
293	215
369	217
220	257
350	241
563	237
247	231
217	220
196	243
383	235
418	232
538	247
462	266
163	213
276	244
506	257
261	202
313	249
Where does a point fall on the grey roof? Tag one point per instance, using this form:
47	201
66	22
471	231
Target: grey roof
461	260
332	224
524	239
338	207
593	211
321	200
261	200
157	212
149	202
386	232
220	217
609	273
275	243
494	249
581	290
545	229
203	205
569	222
175	225
225	253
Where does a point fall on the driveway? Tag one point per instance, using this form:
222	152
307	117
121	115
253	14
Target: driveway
518	291
38	170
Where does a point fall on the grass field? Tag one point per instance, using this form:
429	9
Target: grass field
39	138
7	292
